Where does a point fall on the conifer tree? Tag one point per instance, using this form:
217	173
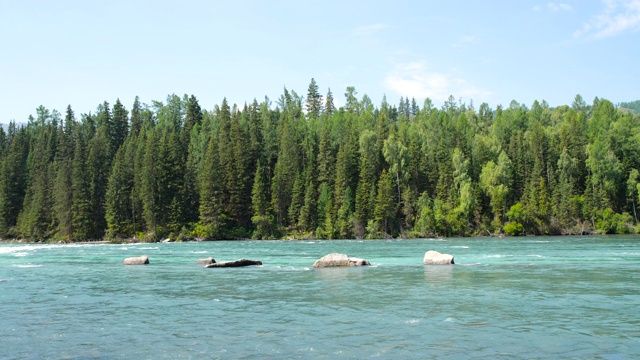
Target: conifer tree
62	187
329	107
148	183
384	204
98	167
136	117
119	194
81	206
314	101
35	218
365	193
120	123
297	200
212	219
345	216
262	218
13	181
240	188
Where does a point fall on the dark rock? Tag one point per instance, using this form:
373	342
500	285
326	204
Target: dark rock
235	263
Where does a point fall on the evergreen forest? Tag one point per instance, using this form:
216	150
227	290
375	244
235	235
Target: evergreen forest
299	167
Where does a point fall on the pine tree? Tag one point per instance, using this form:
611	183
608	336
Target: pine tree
329	108
98	167
345	216
326	160
81	205
119	193
365	193
212	219
384	205
262	218
240	188
35	219
3	142
13	181
62	188
120	123
148	183
314	101
297	200
136	117
352	104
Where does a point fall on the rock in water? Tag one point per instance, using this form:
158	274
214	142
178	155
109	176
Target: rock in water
236	263
433	257
207	261
354	261
339	260
136	260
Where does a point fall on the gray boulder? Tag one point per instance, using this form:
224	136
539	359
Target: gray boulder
206	261
433	257
235	263
339	260
136	260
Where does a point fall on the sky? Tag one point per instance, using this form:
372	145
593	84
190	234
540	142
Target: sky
56	53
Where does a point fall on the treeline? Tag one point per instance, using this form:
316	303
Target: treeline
302	168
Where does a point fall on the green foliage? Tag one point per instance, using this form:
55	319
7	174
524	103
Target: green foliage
514	229
301	166
612	223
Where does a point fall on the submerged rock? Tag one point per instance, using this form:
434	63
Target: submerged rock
235	263
433	257
339	260
207	261
136	260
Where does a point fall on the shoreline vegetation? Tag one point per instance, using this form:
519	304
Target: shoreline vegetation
299	167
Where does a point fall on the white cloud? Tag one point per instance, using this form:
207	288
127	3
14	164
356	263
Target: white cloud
370	29
618	17
417	80
556	7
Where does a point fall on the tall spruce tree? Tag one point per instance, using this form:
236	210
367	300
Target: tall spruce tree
314	101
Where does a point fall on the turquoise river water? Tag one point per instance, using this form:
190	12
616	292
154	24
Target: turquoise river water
535	297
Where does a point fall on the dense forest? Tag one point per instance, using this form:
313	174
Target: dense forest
303	168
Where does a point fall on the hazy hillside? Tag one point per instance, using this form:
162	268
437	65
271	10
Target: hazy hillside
634	106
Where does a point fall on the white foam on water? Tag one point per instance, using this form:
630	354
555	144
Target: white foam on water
148	248
412	321
460	247
450	319
27	266
15	249
20	254
37	247
198	252
124	248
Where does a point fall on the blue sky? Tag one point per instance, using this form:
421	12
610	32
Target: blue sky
82	53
